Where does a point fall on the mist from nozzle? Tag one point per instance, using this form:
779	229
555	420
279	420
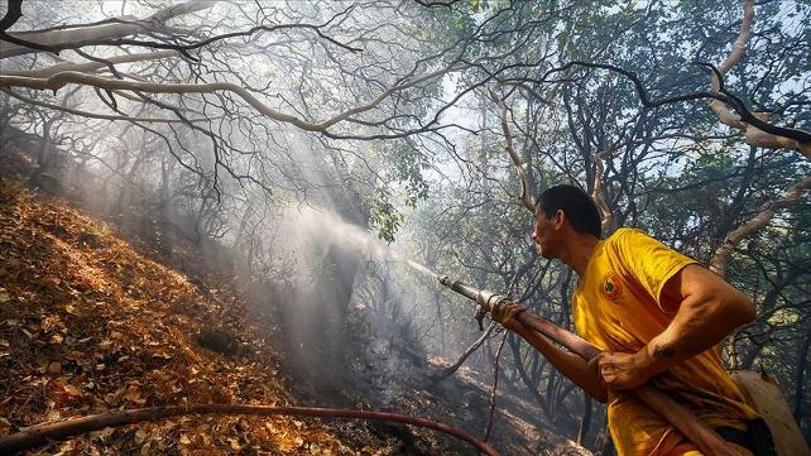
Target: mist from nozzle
420	268
313	225
298	251
397	316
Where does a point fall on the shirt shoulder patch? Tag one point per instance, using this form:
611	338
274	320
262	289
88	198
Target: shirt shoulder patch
611	286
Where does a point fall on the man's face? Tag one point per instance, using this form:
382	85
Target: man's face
545	235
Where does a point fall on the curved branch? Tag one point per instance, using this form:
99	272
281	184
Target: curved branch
56	40
764	215
494	390
448	371
249	32
13	14
434	3
37	435
520	167
598	190
93	66
791	138
113	32
738	50
757	130
64	78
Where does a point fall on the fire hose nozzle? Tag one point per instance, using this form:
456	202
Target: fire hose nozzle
486	300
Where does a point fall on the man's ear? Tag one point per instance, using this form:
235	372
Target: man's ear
559	218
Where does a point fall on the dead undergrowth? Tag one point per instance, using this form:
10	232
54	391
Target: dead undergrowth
88	324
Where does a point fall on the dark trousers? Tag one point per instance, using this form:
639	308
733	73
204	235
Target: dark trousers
756	438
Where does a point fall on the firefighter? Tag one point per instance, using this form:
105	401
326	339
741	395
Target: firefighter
657	315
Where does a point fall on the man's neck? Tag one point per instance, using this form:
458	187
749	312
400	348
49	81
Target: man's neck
579	253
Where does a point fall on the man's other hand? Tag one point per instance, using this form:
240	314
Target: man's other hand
623	371
505	314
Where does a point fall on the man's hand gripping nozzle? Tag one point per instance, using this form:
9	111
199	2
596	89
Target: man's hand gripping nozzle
486	301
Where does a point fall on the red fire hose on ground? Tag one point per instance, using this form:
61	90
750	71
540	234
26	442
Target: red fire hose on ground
41	434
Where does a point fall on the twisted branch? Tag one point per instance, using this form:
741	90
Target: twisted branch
719	260
520	167
92	66
57	40
447	372
13	14
738	50
598	191
781	137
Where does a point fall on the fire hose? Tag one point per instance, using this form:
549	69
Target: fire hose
43	433
681	418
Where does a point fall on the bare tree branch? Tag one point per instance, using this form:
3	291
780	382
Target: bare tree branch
450	370
598	190
718	263
751	124
60	80
520	167
13	14
738	50
436	3
791	138
93	115
56	40
91	67
494	390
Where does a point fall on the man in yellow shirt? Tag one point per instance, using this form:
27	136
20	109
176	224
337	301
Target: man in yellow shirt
657	315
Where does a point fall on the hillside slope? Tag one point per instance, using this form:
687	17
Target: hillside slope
93	319
88	324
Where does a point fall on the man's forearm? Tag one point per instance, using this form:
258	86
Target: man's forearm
699	325
569	364
703	320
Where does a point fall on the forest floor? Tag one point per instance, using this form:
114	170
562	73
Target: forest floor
91	322
88	324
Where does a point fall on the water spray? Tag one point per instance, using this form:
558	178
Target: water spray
420	268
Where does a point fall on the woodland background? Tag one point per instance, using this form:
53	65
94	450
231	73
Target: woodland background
302	150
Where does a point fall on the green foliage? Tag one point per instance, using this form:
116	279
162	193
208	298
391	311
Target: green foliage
384	217
408	165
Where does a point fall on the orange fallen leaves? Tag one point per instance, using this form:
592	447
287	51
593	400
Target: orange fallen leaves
88	324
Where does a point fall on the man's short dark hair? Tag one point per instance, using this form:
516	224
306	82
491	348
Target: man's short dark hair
579	208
